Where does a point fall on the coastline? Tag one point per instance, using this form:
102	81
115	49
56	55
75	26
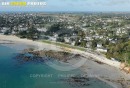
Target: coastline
108	72
37	45
42	45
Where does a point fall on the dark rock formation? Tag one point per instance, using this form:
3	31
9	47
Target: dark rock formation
29	55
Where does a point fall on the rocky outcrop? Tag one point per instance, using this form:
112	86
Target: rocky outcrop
39	56
125	67
122	66
77	81
59	55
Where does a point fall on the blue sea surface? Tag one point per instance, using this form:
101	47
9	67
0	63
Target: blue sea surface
34	75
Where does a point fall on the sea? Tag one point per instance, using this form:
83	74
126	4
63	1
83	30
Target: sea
36	75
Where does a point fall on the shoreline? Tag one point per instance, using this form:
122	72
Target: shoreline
37	45
42	45
107	72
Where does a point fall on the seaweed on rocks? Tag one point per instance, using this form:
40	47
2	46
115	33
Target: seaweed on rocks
30	55
77	81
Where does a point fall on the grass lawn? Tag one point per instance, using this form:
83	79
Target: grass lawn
64	45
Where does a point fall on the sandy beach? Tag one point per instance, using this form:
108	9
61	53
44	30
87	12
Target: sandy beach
108	72
41	46
37	45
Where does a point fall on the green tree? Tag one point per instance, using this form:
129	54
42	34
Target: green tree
94	44
60	39
83	43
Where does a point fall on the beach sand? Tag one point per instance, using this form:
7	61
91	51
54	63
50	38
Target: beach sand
37	45
108	72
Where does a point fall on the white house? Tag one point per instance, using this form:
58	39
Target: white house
67	40
99	45
101	50
4	29
42	29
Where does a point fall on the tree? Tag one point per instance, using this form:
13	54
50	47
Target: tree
55	28
105	42
83	43
94	44
61	39
7	32
125	57
77	42
82	34
32	33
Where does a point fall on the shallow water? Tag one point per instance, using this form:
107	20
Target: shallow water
35	75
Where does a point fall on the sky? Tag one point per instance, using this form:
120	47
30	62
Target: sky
73	5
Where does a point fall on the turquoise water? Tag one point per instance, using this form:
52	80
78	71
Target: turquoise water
34	75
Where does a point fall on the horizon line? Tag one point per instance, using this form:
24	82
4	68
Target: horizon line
66	11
